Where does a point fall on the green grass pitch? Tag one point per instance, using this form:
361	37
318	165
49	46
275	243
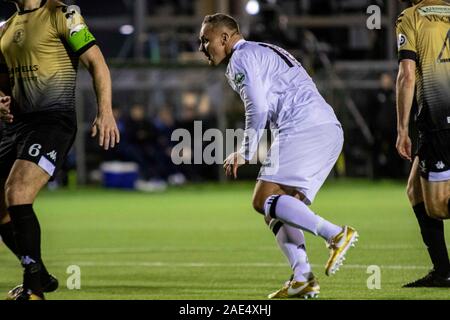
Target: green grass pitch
206	242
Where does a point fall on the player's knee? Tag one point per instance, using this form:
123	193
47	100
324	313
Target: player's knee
258	204
16	194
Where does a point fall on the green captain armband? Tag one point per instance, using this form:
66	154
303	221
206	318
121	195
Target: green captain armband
81	39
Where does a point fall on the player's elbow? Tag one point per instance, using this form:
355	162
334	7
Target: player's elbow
94	61
406	80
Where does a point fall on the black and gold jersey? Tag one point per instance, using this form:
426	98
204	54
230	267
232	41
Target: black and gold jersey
423	33
40	50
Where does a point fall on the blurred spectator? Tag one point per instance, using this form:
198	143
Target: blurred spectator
139	144
118	152
386	162
197	107
165	125
148	143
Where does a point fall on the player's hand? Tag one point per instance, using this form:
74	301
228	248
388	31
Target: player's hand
5	112
106	128
404	146
232	164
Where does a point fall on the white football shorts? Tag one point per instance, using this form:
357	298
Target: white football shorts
303	159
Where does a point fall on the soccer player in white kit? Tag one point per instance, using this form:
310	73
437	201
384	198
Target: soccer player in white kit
274	87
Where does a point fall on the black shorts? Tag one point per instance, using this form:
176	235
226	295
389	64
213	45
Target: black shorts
433	149
43	138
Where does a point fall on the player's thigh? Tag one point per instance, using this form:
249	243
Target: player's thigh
24	182
436	197
44	140
303	159
414	187
434	168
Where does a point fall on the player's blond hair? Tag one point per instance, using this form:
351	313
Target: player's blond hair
222	20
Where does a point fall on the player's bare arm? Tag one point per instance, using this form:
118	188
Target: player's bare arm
5	112
5	91
5	100
405	94
104	125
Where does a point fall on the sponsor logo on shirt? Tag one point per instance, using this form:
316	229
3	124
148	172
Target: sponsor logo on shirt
440	165
401	40
23	69
52	155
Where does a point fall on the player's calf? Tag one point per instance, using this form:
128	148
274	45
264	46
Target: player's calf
263	190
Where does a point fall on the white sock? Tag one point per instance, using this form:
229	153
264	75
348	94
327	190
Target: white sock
297	214
292	242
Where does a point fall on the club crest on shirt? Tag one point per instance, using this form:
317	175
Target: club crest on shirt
19	35
423	166
239	79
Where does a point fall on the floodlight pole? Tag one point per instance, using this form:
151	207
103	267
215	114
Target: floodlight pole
390	34
140	30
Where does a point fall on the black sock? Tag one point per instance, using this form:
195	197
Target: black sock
7	234
9	239
433	236
28	239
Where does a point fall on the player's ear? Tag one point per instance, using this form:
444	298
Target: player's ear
225	38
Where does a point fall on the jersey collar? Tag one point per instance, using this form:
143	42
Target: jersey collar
238	44
43	2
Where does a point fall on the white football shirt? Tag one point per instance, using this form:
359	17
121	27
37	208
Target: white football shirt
274	87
